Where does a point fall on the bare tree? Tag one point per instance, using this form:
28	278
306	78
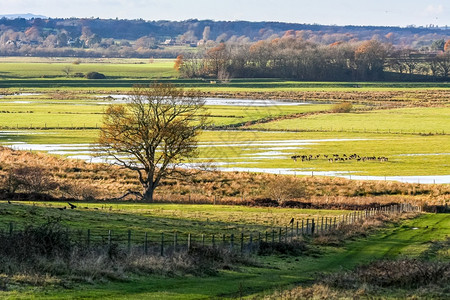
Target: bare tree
206	33
67	70
154	133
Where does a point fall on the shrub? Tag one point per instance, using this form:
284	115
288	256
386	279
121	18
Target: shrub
294	248
402	273
95	75
284	188
265	202
33	179
80	190
49	240
344	107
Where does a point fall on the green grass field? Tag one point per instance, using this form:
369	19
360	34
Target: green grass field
122	74
81	110
410	239
403	120
408	154
67	110
156	218
129	69
412	138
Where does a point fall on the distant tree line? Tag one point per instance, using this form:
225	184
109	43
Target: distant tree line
139	38
294	58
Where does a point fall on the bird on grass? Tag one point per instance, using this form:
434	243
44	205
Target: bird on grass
72	206
62	208
291	222
9	202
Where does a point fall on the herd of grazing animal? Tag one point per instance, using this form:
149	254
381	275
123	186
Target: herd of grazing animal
339	158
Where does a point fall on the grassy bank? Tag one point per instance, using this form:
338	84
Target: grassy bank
273	272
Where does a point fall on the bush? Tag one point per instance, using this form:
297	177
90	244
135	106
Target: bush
402	273
49	240
32	179
294	248
95	75
285	188
80	190
265	202
344	107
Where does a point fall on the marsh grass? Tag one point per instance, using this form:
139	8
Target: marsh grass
80	180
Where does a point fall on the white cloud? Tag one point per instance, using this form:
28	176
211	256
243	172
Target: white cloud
434	9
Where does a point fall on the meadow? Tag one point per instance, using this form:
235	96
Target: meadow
408	154
158	217
60	114
266	274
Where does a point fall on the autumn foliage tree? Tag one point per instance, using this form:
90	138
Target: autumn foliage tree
153	134
217	59
447	46
178	62
369	57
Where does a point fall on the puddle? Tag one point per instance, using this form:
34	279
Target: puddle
51	148
16	102
20	94
216	101
423	154
432	179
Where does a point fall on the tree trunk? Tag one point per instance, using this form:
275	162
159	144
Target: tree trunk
148	195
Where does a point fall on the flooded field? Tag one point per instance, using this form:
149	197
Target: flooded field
68	125
216	101
265	156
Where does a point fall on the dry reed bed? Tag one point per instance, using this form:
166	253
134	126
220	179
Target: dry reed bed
80	180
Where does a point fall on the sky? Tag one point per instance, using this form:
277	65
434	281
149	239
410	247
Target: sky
330	12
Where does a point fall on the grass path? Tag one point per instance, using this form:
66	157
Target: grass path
278	272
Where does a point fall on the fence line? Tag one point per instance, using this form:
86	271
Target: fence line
236	127
245	242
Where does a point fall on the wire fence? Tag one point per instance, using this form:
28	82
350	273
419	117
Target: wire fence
164	243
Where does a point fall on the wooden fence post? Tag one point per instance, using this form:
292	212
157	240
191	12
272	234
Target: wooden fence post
189	241
286	235
313	225
146	244
162	243
129	241
175	241
232	241
307	226
303	233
